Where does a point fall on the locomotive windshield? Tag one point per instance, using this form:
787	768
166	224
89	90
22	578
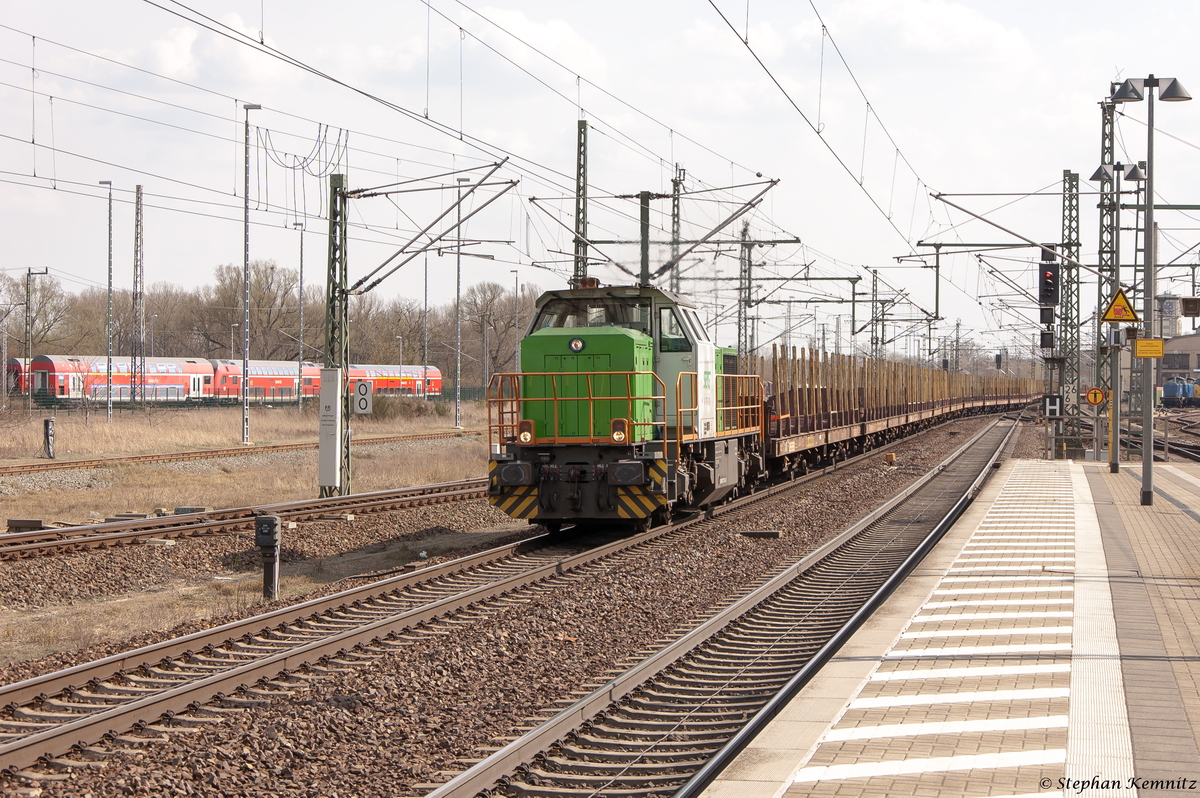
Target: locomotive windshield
633	313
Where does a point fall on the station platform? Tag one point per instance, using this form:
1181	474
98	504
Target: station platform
1049	645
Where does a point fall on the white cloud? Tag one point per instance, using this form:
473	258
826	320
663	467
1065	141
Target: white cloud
173	55
937	28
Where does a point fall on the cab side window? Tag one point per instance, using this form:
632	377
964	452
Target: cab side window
671	337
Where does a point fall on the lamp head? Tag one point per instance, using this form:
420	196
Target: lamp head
1131	90
1103	172
1172	91
252	106
106	183
1134	172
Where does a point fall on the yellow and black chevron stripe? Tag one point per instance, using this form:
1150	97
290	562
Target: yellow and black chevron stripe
638	501
517	502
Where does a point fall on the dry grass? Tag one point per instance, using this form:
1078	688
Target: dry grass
33	635
80	435
240	481
77	497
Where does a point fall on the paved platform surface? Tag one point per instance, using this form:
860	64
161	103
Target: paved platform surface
1049	645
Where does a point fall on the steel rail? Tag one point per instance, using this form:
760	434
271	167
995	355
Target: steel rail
17	545
26	751
241	451
486	773
725	756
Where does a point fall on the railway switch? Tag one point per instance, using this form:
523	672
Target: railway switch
267	536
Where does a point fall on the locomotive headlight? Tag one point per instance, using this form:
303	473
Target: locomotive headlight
525	432
619	430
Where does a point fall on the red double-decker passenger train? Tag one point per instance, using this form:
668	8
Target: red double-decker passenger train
169	379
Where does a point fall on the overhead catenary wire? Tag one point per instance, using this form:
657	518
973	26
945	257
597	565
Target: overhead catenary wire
215	93
788	97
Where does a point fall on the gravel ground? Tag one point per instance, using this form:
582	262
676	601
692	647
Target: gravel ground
28	584
1031	445
70	479
382	730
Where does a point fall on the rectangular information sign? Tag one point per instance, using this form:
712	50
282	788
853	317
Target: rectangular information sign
1148	347
329	436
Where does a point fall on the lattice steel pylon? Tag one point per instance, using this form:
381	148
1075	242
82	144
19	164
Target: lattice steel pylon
676	221
745	282
1107	259
1069	313
580	204
137	377
337	320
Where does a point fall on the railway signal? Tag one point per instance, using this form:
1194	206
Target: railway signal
1049	288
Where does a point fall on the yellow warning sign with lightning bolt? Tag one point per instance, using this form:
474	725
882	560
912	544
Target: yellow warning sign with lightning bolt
1119	310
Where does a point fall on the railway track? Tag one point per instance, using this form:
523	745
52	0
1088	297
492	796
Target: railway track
51	542
240	451
195	680
669	723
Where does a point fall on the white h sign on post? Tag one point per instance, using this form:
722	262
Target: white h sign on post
361	396
1052	405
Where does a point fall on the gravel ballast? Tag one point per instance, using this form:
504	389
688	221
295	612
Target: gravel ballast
383	729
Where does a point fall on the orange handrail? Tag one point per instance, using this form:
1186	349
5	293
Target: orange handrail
505	399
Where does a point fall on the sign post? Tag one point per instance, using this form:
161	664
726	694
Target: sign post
1095	398
1118	311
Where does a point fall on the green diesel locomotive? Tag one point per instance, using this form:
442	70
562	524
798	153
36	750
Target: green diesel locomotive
624	407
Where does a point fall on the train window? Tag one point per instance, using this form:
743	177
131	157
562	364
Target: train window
632	313
671	336
208	380
694	320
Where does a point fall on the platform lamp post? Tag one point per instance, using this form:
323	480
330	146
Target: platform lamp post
458	312
248	107
300	358
109	328
1135	90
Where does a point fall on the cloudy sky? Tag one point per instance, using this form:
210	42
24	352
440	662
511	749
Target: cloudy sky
861	109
